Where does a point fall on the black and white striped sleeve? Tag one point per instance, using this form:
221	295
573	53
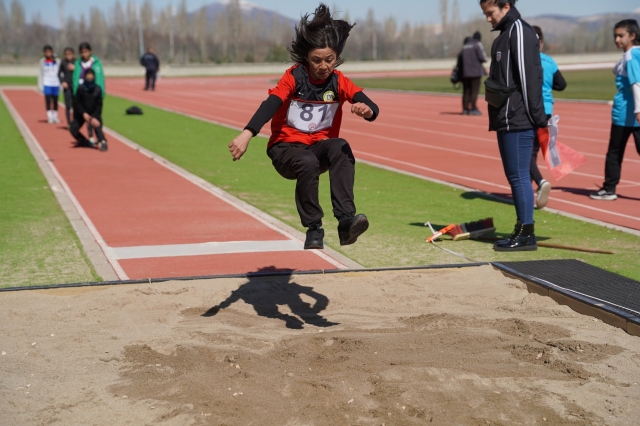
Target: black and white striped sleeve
525	45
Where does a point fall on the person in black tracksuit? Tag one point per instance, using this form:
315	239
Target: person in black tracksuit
66	81
87	107
516	110
472	57
152	65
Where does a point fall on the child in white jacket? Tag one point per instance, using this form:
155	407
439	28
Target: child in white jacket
49	82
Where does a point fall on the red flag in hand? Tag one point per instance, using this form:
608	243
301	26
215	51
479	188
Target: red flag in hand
561	159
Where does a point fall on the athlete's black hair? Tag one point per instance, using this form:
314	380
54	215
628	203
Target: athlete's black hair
84	45
69	49
317	31
47	47
500	3
631	25
477	36
538	31
90	71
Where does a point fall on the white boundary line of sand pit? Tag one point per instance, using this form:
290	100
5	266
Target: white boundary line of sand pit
331	256
209	248
91	240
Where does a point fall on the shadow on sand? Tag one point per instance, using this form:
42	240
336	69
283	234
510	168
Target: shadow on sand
265	293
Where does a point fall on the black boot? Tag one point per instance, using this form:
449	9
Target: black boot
350	228
522	239
315	238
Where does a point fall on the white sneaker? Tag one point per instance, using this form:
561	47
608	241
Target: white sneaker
55	120
542	197
92	139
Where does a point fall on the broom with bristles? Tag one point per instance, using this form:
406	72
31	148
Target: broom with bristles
476	230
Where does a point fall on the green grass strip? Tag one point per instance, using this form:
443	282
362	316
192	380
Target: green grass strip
397	205
18	81
37	243
590	85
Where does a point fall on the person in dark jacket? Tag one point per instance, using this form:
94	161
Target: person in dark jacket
152	64
87	107
472	57
66	81
516	110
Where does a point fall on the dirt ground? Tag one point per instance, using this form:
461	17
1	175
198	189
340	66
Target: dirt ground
457	346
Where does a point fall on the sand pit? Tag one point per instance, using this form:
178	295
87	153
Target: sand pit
458	346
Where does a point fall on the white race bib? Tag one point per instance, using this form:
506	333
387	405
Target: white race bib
311	117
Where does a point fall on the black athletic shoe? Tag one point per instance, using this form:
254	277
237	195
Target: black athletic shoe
350	228
103	146
315	238
522	239
475	112
604	195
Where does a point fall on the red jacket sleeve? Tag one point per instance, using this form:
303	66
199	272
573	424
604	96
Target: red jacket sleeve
347	88
285	87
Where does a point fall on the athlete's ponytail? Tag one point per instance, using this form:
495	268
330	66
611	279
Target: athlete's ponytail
317	31
631	25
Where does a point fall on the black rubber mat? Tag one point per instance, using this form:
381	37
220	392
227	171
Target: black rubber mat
584	282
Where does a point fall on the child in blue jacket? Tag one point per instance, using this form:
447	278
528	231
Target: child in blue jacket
552	79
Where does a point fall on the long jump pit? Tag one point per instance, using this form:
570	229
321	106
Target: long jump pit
462	346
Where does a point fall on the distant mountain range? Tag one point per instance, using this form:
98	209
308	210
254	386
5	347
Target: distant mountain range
249	11
557	25
553	25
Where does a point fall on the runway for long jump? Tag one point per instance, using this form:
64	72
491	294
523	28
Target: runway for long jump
151	221
425	134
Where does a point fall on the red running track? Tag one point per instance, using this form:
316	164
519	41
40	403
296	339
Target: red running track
425	134
136	207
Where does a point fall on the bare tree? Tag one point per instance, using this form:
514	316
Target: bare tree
99	31
182	21
201	30
444	19
234	13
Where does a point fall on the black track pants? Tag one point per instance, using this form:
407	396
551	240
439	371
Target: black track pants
68	102
51	102
471	88
617	144
150	79
305	164
76	125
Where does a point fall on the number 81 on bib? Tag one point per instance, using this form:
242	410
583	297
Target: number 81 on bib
311	117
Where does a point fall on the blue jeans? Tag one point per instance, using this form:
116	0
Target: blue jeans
515	150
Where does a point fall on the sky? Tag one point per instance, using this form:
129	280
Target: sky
414	11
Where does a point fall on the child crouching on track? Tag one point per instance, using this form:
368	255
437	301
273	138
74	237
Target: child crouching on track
49	83
87	107
305	109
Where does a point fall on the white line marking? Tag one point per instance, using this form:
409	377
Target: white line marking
379	165
94	231
379	157
214	190
229	247
493	184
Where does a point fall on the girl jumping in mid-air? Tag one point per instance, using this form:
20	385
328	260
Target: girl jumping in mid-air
305	109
